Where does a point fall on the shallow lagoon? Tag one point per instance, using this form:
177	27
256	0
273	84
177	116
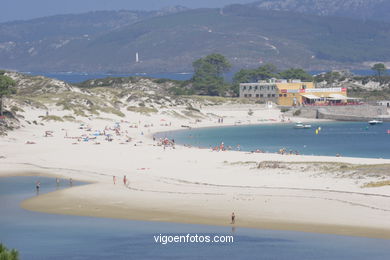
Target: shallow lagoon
351	139
49	236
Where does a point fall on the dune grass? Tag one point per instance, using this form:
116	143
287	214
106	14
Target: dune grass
377	184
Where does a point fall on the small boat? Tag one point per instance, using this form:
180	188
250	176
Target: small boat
300	125
375	122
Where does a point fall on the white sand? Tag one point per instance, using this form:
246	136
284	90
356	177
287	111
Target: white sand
192	185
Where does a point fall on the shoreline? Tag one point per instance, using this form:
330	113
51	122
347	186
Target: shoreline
198	186
161	133
50	203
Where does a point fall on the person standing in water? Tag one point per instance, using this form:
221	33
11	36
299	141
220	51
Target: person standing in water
70	182
37	186
233	218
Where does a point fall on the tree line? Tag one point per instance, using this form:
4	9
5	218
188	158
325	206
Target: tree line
208	76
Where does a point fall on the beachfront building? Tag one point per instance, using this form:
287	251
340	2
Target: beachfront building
263	90
385	103
294	93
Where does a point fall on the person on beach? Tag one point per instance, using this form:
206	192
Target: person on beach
70	182
124	180
233	218
114	179
37	186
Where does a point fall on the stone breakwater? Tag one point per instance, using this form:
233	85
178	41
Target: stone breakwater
344	113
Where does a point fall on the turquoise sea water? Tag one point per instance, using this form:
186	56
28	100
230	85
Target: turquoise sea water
47	236
356	139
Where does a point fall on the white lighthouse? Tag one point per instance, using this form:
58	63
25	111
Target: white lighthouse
136	57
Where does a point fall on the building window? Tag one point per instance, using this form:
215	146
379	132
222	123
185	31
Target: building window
257	95
273	95
244	87
261	95
285	95
249	95
303	86
245	95
280	95
256	87
269	95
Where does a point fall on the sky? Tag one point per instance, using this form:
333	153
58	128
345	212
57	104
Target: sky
26	9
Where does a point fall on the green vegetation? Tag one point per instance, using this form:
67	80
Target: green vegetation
182	88
379	68
111	110
5	88
208	75
16	109
69	118
216	100
370	95
6	254
142	110
52	118
329	76
172	42
266	72
191	108
297	112
295	73
377	184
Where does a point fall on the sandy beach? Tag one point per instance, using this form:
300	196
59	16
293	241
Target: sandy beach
191	185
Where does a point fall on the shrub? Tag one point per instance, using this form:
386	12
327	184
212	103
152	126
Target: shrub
6	254
142	110
191	108
69	118
16	109
52	118
297	112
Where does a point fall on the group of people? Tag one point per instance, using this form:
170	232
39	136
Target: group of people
38	184
125	181
222	147
165	142
107	134
283	151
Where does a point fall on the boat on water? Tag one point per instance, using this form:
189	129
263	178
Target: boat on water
375	122
300	125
